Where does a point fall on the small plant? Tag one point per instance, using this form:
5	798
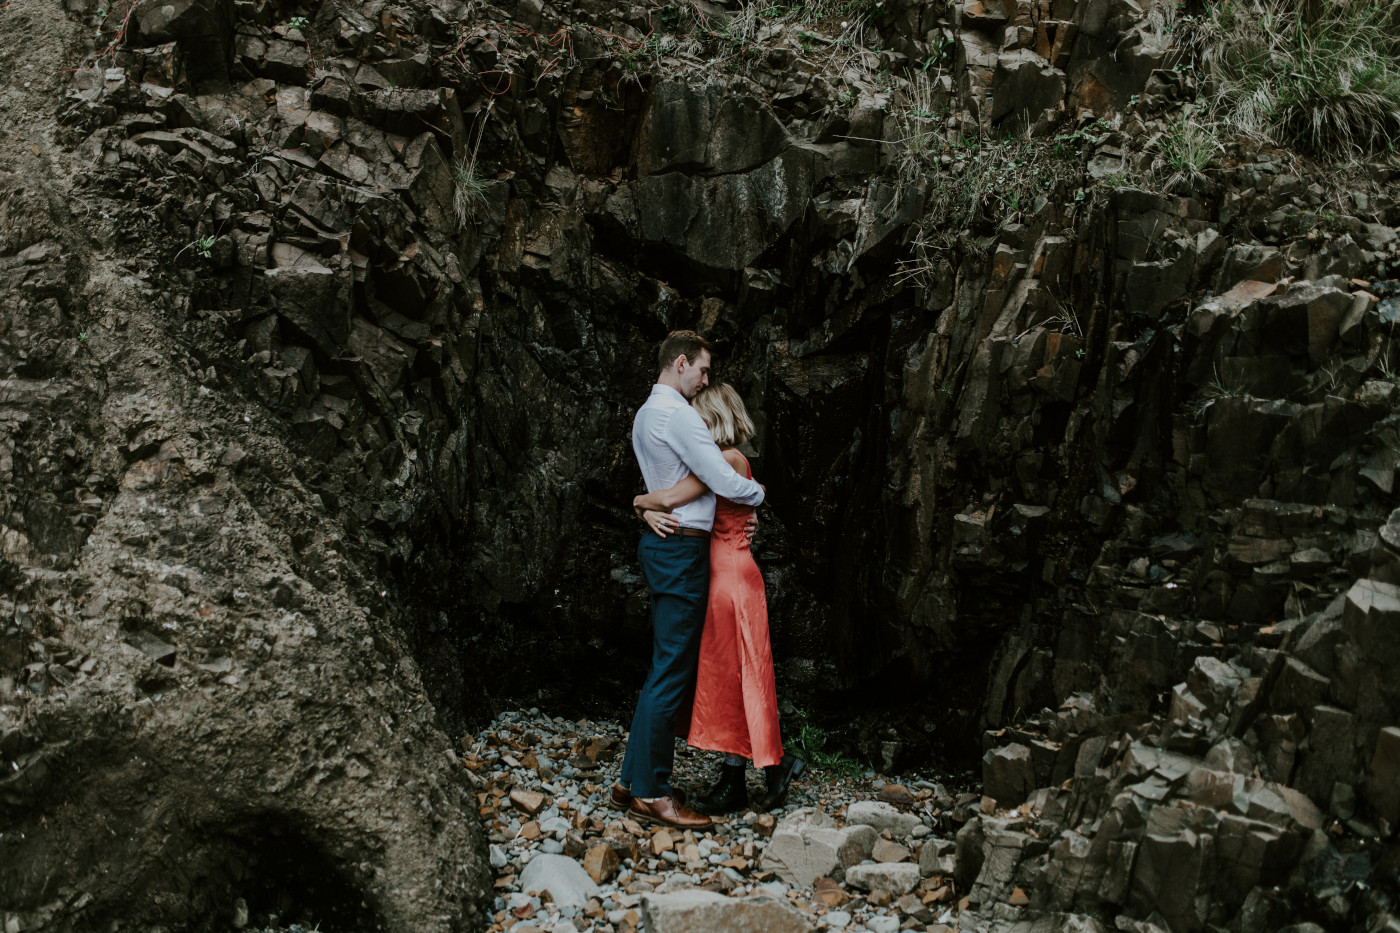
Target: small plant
1186	150
811	745
942	54
299	23
204	246
469	187
1215	390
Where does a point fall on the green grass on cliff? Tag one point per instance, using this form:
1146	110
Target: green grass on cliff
1320	76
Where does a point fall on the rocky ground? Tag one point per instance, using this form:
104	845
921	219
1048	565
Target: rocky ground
862	853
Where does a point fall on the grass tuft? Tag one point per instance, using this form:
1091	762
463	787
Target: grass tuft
1322	77
469	185
1185	151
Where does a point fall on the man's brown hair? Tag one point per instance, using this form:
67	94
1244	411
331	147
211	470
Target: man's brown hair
686	343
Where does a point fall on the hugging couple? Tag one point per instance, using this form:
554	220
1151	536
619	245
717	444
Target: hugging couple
709	613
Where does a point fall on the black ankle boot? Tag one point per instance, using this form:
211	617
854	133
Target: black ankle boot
728	794
778	777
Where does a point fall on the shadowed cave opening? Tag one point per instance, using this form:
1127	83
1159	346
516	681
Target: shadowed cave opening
283	876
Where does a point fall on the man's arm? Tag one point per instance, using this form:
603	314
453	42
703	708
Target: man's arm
688	436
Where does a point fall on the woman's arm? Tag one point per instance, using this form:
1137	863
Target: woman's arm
660	522
664	500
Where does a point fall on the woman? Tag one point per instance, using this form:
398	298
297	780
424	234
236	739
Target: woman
736	708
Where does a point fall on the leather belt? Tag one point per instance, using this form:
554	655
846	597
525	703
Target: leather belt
694	533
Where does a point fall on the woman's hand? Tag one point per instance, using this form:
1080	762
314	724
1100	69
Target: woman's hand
663	523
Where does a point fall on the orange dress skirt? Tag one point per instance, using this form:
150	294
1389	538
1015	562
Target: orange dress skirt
736	701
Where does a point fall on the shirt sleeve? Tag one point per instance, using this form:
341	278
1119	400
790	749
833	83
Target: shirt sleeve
691	440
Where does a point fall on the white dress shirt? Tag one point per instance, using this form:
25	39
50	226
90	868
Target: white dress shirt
671	442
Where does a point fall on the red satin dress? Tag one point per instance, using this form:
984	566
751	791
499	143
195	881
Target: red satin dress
736	703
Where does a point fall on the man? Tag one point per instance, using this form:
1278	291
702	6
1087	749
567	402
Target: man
671	442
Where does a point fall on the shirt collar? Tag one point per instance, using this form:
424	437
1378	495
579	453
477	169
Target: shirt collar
666	390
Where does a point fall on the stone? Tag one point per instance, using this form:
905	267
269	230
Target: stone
1167	874
806	845
828	893
727	221
1023	85
1251	853
565	879
203	32
896	795
886	851
1213	682
1382	787
526	801
706	129
938	857
601	863
1007	775
1299	687
700	911
895	879
882	817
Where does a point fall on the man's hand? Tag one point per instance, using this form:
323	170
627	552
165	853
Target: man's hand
751	526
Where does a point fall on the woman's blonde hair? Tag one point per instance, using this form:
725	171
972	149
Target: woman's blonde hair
724	411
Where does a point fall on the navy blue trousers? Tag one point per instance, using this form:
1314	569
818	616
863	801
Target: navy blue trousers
677	571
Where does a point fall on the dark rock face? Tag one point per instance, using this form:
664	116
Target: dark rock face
322	339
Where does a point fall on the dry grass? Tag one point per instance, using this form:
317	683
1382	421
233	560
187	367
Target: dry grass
986	183
469	185
1323	77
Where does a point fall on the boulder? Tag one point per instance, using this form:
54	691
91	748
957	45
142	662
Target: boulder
202	29
565	879
807	845
896	878
701	911
882	817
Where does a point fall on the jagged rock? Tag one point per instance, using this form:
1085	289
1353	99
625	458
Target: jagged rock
807	845
727	221
707	130
885	851
1007	776
1023	85
203	31
937	857
1213	681
1383	776
601	863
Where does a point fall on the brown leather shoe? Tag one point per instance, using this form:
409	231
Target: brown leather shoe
621	797
667	812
